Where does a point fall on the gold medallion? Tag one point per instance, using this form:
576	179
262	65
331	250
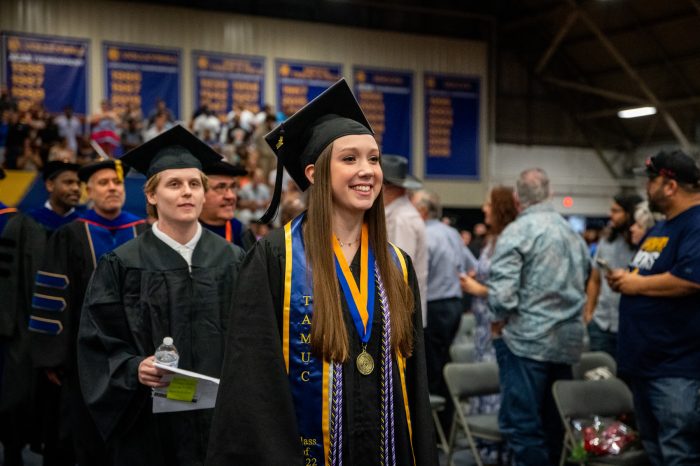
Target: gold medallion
365	363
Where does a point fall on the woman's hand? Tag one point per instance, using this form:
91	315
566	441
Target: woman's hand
150	375
471	286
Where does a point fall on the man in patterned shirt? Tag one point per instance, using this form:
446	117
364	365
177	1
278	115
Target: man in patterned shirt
537	290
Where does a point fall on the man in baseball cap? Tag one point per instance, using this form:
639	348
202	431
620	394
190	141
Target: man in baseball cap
659	328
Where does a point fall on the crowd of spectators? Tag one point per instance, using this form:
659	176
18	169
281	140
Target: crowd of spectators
30	138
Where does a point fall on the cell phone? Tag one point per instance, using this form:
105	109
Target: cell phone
603	264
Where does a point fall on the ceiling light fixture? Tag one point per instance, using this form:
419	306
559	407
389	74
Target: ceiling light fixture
636	112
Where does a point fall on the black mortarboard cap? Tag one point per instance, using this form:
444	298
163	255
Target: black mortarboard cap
174	148
224	168
56	167
86	171
300	139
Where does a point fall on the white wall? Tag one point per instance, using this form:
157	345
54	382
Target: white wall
190	29
575	172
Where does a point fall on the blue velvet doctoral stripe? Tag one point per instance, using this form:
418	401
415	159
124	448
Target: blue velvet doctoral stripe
51	280
48	303
50	219
305	370
51	327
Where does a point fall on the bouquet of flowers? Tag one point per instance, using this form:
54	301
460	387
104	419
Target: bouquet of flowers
601	436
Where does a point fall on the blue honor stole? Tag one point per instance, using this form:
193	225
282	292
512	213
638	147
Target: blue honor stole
311	378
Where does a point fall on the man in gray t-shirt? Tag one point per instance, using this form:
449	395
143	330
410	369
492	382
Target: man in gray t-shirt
616	250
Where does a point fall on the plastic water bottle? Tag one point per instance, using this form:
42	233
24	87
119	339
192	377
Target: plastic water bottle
166	354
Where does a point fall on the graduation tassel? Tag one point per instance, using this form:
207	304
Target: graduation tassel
277	194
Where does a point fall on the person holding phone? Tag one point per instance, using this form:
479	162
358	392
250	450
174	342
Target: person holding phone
615	250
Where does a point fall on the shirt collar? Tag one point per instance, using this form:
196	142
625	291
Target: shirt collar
545	206
48	205
190	245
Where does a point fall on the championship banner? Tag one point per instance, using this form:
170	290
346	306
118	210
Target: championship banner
451	126
141	75
222	81
52	70
300	82
386	97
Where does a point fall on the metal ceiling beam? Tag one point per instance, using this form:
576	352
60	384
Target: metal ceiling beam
565	27
585	88
668	62
650	64
670	121
620	31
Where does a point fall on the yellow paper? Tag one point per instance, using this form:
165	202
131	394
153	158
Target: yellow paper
182	389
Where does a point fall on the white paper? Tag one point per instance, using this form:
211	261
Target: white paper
205	394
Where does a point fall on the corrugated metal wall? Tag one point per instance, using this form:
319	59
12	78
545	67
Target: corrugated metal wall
222	32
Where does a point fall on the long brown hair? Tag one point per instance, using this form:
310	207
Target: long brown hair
503	209
329	336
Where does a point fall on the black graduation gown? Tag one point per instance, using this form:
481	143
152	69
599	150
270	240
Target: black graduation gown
139	294
255	421
27	399
6	253
72	252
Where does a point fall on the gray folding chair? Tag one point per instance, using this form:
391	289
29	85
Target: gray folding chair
588	398
592	360
437	404
466	380
465	332
462	352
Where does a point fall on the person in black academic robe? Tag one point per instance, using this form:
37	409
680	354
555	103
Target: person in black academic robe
262	416
71	256
148	289
5	261
27	396
255	421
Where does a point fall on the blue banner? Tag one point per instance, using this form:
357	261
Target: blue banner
451	126
299	82
52	70
222	81
386	97
141	75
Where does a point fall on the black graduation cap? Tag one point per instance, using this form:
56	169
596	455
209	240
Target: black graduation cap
174	148
86	171
299	140
55	167
224	168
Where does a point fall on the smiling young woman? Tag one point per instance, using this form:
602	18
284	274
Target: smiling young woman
324	357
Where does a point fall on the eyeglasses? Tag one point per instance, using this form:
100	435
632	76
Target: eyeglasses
221	188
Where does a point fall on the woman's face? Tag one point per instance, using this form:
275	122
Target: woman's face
486	208
637	232
179	196
356	175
